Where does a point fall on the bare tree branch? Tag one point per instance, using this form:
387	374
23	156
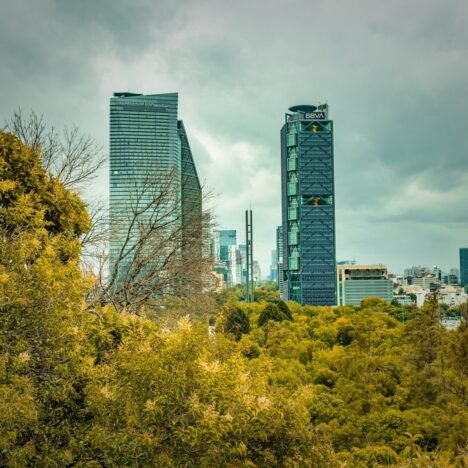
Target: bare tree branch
162	247
69	155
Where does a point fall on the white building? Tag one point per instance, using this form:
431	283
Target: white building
452	296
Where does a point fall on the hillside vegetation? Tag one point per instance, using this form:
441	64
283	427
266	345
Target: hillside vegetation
276	385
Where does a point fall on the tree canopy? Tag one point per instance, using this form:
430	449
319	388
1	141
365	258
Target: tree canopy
85	385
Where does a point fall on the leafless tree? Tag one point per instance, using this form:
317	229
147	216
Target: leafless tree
158	248
69	155
161	233
95	242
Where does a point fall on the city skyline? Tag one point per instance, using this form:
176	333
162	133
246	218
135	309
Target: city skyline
395	79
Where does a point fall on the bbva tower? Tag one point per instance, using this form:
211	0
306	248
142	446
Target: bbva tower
308	206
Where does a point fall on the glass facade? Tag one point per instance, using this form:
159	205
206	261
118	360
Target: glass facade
464	266
226	252
224	239
150	157
308	234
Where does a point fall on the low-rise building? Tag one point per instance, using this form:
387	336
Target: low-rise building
425	281
402	299
452	296
356	282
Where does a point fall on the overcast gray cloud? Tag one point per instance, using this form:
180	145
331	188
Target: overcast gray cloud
394	73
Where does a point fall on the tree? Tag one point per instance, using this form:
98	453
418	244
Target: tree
236	321
159	247
268	291
283	307
42	345
271	312
70	156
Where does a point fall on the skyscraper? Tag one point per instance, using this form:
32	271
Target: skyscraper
464	266
279	250
153	183
274	266
308	209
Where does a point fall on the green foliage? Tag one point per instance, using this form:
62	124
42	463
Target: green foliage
283	307
340	386
30	198
271	312
236	321
268	292
43	346
229	295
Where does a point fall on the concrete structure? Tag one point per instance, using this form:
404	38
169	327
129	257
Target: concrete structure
308	207
421	297
452	296
149	152
356	282
463	266
426	281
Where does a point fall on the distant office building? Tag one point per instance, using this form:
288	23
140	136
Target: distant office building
234	265
224	239
450	279
239	269
223	272
455	271
426	281
308	208
279	250
463	266
437	272
274	266
257	272
149	149
225	250
356	282
412	271
243	259
452	296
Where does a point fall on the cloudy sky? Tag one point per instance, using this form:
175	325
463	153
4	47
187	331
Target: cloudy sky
394	73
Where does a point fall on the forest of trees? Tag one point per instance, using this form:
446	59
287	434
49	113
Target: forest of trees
277	384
